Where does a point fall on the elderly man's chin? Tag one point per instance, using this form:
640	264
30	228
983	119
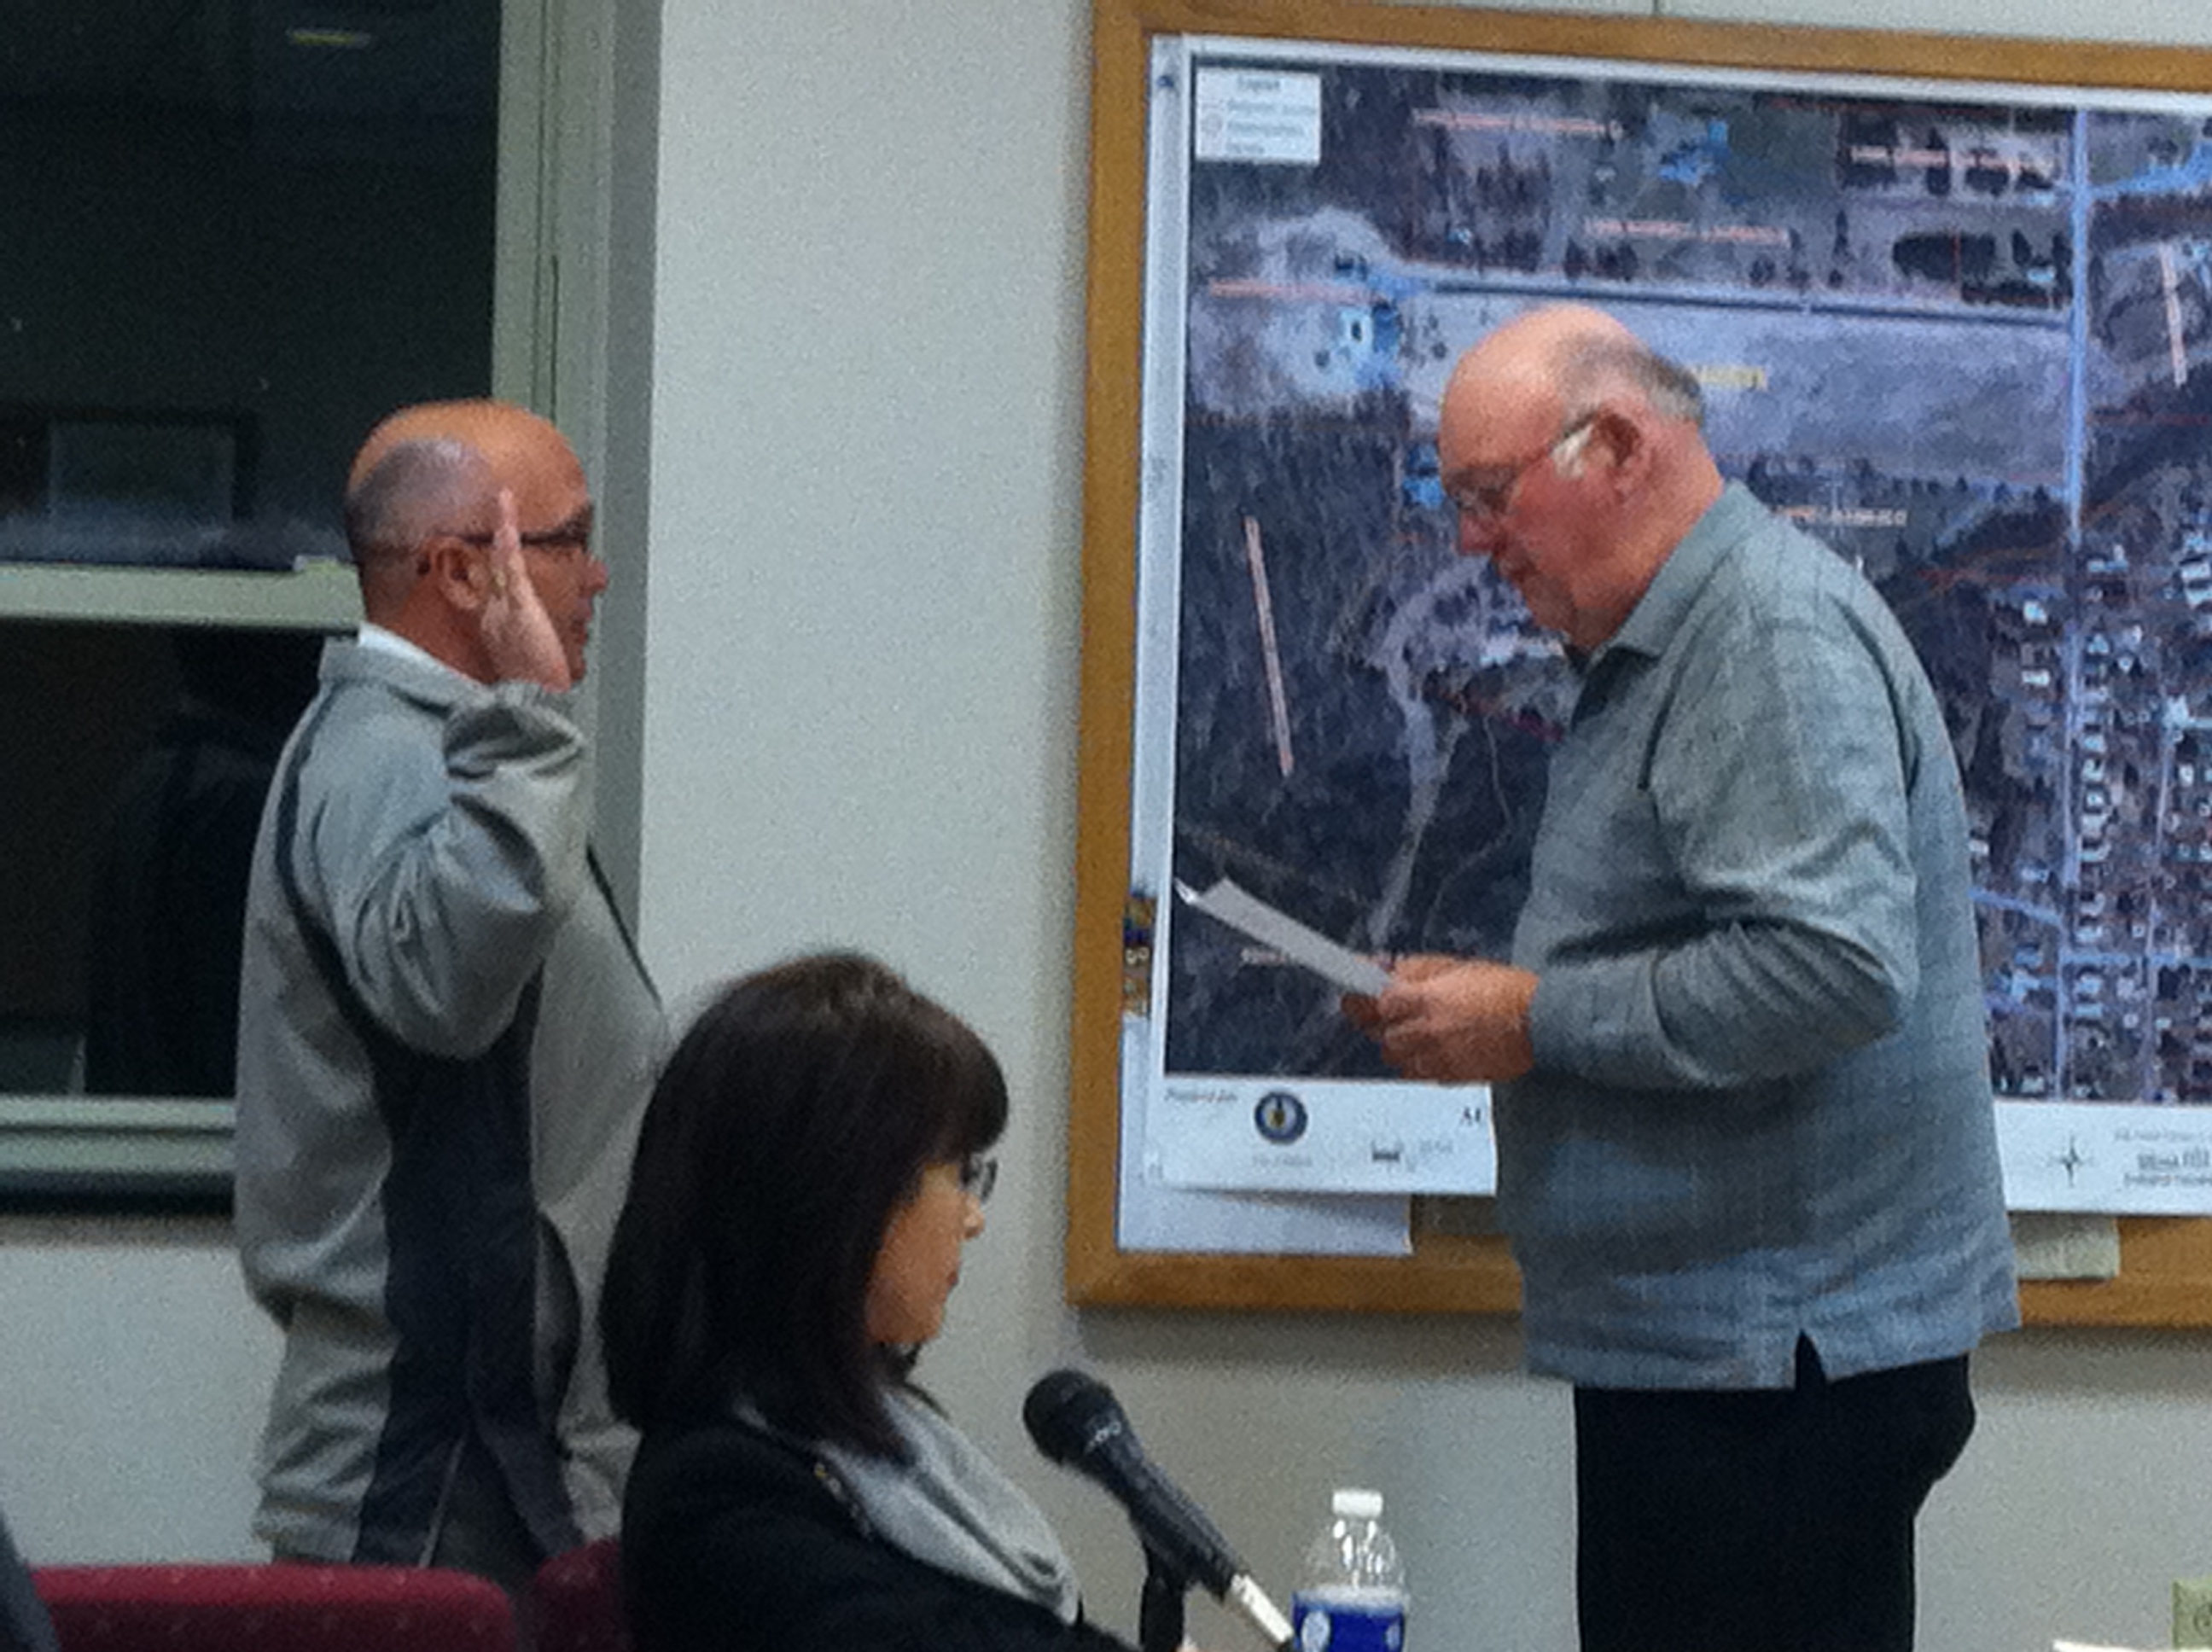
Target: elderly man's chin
1546	605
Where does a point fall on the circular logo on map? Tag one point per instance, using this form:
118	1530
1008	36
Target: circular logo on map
1281	1116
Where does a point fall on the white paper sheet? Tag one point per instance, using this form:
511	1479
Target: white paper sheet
1248	914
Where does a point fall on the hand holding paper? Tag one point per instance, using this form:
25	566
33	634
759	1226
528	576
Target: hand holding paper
1455	1020
1445	1020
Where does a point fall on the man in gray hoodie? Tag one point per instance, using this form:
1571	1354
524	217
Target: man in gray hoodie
445	1035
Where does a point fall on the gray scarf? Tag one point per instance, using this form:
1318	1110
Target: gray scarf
952	1508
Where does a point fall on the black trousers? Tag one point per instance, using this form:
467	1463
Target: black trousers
1756	1521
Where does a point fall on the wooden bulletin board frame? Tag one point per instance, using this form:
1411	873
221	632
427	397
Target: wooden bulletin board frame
2165	1278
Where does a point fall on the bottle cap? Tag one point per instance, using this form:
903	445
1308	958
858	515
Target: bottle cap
1356	1504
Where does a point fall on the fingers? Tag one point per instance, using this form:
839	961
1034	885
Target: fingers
1395	1002
1376	1015
1450	1020
1427	1053
1407	1040
1426	966
1400	1022
519	634
507	571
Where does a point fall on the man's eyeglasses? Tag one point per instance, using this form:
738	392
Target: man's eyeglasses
1487	501
978	1175
567	542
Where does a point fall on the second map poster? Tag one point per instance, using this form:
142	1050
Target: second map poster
1962	334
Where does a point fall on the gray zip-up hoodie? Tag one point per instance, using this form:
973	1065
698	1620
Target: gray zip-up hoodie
445	1041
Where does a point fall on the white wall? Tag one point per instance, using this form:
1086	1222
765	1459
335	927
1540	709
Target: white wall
860	729
133	1373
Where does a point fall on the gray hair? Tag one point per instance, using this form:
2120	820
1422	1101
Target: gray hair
1588	367
420	488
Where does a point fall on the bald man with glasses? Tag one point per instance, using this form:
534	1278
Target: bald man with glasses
446	1035
1745	1144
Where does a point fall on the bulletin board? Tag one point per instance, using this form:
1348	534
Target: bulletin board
1956	153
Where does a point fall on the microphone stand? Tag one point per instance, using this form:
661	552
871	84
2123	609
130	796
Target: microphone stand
1159	1609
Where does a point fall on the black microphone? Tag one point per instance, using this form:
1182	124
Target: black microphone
1077	1422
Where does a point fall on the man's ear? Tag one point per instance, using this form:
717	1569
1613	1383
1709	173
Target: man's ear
455	574
1619	442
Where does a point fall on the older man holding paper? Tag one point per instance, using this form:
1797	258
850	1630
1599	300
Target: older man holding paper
1747	1149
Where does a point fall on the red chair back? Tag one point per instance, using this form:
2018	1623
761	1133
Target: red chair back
579	1599
276	1608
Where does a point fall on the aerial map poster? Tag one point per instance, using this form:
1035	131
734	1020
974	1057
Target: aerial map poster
1961	332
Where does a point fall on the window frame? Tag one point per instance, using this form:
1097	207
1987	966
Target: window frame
551	328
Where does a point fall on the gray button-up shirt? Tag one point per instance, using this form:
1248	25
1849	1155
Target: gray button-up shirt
1761	1102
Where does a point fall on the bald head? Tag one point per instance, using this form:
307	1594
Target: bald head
439	466
497	430
1574	357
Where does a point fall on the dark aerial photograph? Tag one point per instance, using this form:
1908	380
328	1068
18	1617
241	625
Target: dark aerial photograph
1968	346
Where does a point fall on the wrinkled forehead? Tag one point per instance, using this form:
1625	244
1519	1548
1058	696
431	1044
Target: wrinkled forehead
1493	412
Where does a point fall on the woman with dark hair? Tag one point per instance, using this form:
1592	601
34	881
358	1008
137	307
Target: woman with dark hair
808	1169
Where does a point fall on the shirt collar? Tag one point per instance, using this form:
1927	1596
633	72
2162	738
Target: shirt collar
382	640
1665	602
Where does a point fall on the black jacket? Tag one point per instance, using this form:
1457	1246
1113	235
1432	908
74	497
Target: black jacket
733	1542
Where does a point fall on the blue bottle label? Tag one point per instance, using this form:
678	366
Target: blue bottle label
1323	1624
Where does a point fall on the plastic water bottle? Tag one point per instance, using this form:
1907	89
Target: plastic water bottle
1352	1597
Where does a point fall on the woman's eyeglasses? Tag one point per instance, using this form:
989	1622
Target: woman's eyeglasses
978	1175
